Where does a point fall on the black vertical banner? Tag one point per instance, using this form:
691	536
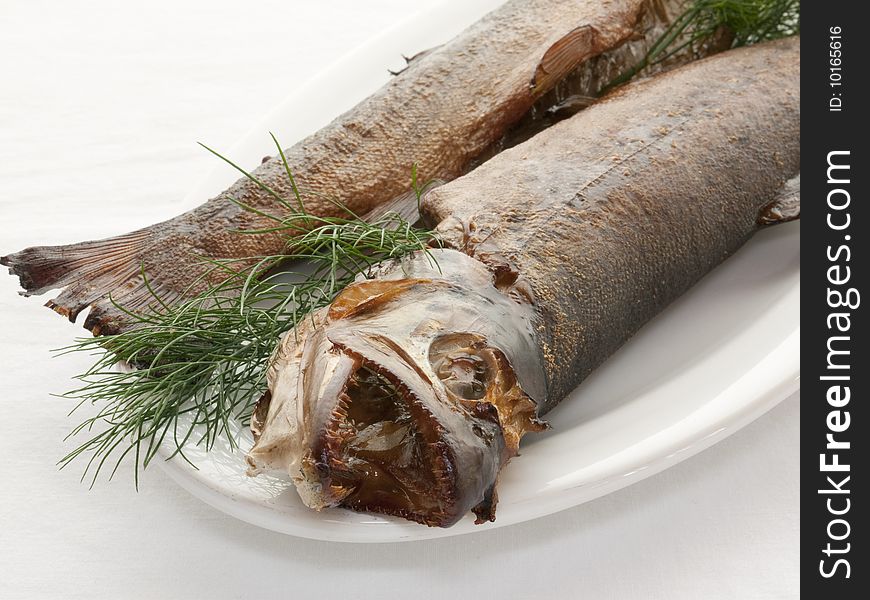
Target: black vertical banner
835	222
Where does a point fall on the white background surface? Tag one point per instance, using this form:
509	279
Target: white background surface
100	106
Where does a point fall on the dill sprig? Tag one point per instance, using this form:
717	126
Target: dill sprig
715	25
198	365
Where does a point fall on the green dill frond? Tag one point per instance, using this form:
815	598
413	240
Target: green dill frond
708	26
198	365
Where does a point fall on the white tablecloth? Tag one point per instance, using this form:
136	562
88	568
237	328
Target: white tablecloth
100	105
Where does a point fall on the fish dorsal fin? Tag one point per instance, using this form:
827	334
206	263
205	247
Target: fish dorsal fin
362	296
786	206
410	61
563	56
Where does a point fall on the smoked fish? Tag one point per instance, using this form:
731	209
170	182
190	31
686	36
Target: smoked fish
443	111
411	391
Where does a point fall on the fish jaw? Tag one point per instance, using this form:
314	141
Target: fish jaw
402	397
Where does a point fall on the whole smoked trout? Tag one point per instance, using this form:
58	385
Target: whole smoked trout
410	392
442	112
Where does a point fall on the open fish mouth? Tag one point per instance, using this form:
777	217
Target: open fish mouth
387	447
381	451
388	402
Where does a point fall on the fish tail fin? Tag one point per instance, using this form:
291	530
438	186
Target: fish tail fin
96	274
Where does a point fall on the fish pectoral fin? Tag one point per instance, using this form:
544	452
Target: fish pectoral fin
261	411
786	206
563	56
368	295
485	511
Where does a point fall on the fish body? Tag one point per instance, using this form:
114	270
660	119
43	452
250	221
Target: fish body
413	389
612	214
444	110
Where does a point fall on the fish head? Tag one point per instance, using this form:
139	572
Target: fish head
409	393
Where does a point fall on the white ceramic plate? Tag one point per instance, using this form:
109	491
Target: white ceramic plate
722	355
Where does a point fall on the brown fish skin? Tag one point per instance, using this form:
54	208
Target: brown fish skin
445	109
562	248
614	213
